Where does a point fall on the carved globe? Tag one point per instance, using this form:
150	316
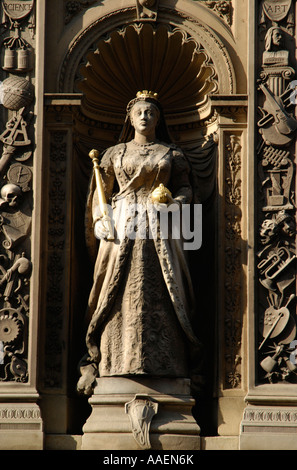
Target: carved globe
17	92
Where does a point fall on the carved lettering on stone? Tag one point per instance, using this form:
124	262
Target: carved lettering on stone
17	49
277	12
16	9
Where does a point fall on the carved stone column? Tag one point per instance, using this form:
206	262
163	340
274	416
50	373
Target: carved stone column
58	215
231	112
21	423
269	419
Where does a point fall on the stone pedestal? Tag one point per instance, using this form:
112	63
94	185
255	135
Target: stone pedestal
136	414
269	428
21	427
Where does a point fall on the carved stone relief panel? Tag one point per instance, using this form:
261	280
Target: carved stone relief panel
16	163
231	115
233	285
59	156
276	160
55	262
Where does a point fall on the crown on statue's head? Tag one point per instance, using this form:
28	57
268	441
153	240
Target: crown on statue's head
143	96
147	94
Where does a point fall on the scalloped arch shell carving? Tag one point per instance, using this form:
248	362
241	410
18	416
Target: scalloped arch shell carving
163	59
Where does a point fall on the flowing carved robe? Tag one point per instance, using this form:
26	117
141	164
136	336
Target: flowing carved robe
141	302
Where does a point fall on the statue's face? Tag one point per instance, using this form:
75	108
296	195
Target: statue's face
288	227
277	37
144	117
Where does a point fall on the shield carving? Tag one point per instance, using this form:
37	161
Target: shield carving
17	9
276	10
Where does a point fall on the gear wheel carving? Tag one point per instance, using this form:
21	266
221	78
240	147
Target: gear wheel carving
10	326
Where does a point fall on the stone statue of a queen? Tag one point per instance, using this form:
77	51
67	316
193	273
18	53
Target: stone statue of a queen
141	305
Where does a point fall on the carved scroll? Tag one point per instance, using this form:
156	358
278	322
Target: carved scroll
276	257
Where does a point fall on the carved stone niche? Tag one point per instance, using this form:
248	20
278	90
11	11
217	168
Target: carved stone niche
184	62
174	65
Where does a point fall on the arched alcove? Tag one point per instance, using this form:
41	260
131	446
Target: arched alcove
192	19
185	62
142	56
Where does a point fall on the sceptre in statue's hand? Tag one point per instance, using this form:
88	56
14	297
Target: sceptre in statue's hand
104	217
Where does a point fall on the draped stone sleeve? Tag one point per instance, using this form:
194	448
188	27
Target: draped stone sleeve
180	183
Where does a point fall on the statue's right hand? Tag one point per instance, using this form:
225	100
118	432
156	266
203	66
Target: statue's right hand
100	229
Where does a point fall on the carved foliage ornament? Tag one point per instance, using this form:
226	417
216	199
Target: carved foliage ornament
222	8
72	7
56	253
233	320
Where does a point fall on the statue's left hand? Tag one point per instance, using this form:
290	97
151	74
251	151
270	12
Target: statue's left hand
172	205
